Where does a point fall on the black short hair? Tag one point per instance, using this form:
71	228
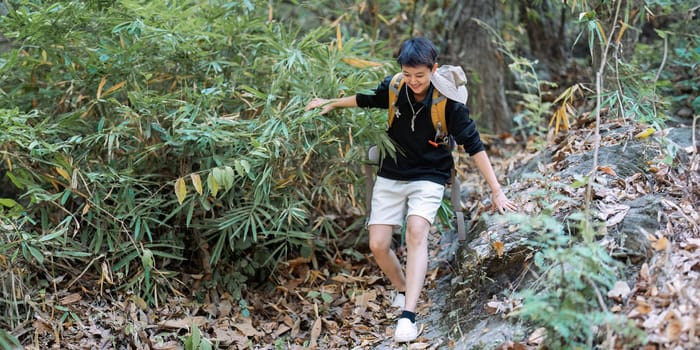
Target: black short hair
416	52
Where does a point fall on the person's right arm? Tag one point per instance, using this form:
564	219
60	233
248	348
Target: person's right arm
328	105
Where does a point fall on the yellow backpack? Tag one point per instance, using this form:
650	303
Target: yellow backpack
437	110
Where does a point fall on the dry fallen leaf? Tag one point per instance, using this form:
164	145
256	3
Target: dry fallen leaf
674	327
183	323
660	244
70	299
643	307
498	246
419	346
492	307
246	327
170	345
315	333
619	291
226	336
607	170
537	337
612	214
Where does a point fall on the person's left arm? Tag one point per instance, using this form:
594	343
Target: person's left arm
498	198
467	135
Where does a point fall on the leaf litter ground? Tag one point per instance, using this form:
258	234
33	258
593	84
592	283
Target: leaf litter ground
344	302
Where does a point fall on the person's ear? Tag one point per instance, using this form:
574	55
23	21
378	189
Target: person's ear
435	67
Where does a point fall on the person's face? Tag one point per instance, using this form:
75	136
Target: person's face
418	78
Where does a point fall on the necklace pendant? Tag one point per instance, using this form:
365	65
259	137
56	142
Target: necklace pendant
413	123
397	114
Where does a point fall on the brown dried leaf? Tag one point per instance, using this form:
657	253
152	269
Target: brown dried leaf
283	328
227	336
183	323
225	308
607	170
674	327
315	333
419	346
170	345
612	213
620	290
660	244
498	247
691	244
246	327
492	307
644	272
70	299
537	337
643	307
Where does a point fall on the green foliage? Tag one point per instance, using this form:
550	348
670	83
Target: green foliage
573	273
678	82
660	77
195	341
8	341
154	136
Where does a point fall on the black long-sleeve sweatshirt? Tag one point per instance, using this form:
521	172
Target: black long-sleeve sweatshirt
416	159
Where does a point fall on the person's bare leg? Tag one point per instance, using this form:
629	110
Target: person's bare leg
417	229
380	245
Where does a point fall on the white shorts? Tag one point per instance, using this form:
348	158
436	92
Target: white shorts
393	201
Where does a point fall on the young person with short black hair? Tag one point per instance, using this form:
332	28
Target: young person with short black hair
410	186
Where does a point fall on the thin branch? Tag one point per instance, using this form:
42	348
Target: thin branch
70	284
599	102
658	73
601	301
619	86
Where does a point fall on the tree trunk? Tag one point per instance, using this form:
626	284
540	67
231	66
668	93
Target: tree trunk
545	35
471	46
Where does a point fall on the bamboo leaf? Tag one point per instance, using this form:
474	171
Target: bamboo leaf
360	63
645	133
601	33
36	254
64	174
197	183
8	202
114	88
228	176
101	86
212	184
180	190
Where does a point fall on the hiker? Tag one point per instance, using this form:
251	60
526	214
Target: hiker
410	186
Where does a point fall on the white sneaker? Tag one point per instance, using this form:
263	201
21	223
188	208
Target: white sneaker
405	331
399	301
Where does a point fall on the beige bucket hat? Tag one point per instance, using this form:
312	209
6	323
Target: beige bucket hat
451	82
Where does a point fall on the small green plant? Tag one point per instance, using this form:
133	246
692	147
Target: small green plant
9	341
195	341
572	272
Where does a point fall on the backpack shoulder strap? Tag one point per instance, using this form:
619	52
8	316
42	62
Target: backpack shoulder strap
437	112
394	89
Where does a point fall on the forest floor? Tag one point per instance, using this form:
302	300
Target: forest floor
343	302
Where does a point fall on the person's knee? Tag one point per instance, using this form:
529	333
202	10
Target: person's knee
379	246
417	231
